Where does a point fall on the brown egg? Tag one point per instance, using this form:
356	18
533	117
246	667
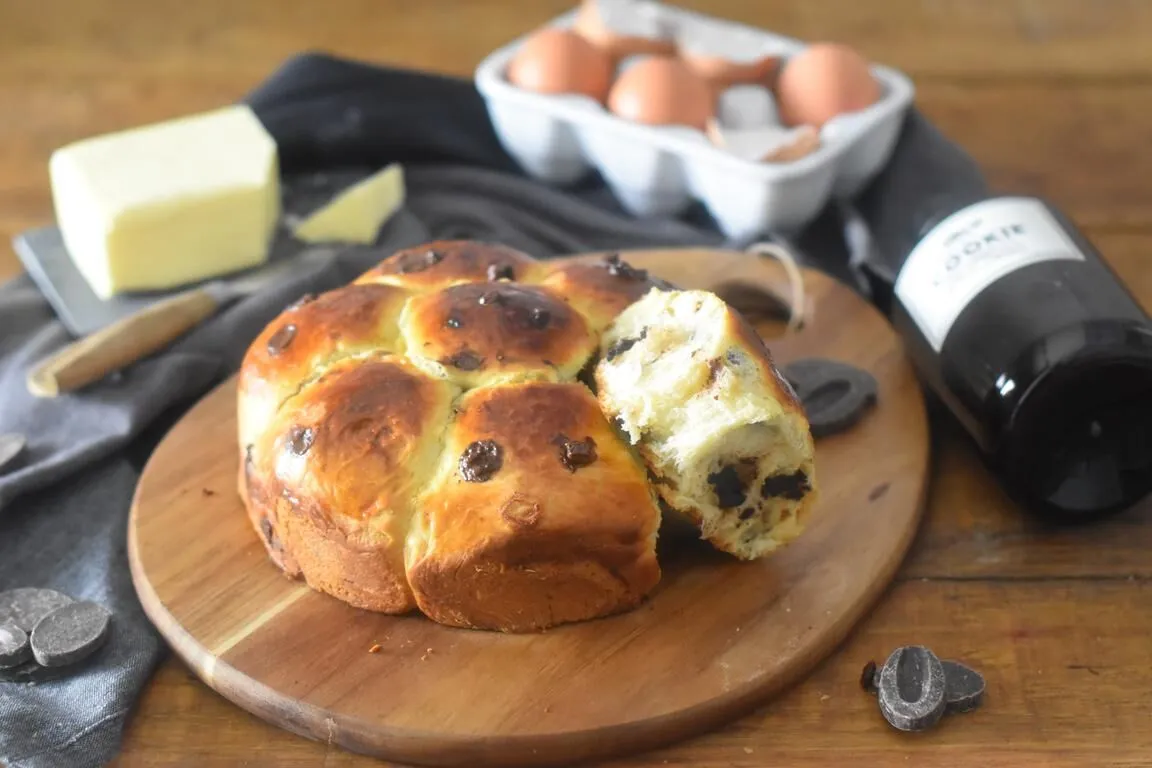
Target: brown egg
663	90
560	61
823	81
624	28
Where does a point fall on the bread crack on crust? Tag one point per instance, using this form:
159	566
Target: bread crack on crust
693	387
429	437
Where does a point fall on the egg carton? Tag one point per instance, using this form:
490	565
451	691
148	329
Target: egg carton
659	171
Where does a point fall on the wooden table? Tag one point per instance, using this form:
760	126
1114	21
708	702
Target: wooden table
1052	96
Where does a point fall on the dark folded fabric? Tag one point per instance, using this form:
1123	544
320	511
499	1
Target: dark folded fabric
63	509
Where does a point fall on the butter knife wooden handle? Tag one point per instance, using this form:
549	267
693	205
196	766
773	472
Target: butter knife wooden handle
118	345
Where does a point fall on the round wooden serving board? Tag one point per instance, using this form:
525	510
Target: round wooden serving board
716	638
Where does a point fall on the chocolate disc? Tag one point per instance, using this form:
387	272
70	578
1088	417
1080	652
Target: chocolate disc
14	648
963	687
70	634
911	689
11	446
26	606
834	395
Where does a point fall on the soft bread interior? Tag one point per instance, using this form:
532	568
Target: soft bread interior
727	445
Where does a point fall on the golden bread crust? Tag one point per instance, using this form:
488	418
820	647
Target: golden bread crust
600	289
311	333
477	333
342	463
441	263
539	515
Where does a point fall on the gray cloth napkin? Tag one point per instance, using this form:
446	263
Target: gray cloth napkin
63	508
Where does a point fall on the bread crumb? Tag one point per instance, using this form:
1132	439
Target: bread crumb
375	648
747	750
824	697
427	653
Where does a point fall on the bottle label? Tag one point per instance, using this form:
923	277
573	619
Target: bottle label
970	250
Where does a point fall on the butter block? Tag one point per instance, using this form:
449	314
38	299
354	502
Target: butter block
163	205
356	214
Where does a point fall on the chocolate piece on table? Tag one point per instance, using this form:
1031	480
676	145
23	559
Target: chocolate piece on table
14	648
70	634
963	687
26	606
910	689
835	395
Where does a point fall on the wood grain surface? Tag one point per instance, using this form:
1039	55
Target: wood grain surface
716	637
1051	96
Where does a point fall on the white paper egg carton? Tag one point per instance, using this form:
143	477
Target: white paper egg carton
659	171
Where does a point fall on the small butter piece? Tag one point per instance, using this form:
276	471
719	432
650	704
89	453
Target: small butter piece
162	205
356	214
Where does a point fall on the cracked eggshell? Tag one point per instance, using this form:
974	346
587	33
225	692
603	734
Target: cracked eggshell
559	61
766	143
727	55
626	27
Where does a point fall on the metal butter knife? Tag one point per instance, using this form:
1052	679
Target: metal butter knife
154	327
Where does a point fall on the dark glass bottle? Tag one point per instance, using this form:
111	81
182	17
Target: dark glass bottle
1019	327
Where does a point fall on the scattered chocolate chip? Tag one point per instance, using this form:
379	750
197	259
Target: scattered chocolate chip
501	272
280	340
790	486
575	454
418	261
963	687
70	634
730	487
481	460
623	345
520	512
300	440
620	268
539	318
26	606
14	647
490	298
465	360
835	395
868	677
911	689
454	321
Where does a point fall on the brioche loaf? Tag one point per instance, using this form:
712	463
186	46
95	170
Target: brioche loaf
425	438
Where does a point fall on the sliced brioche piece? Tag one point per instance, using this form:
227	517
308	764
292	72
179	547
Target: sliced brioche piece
691	384
538	514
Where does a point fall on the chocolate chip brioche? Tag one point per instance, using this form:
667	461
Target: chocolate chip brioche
425	439
692	385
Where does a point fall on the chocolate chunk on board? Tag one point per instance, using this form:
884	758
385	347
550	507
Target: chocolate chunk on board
70	634
14	647
26	606
910	689
963	687
835	395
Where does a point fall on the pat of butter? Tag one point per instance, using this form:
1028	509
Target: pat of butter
357	213
163	205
